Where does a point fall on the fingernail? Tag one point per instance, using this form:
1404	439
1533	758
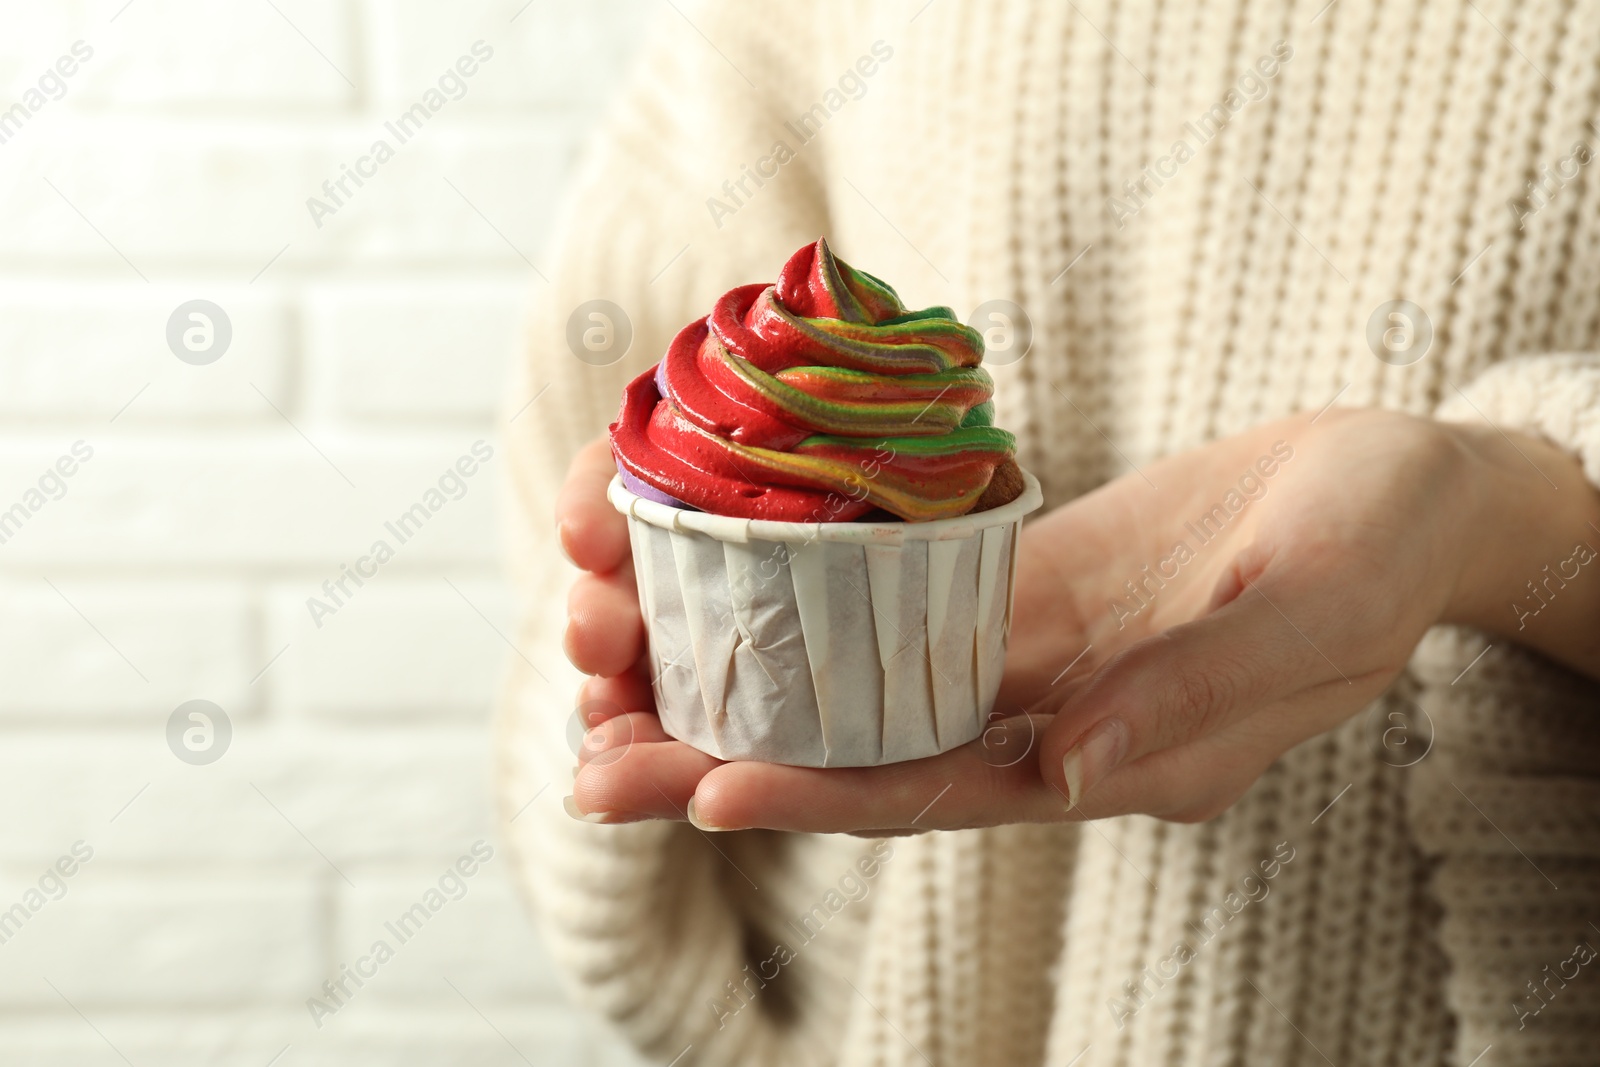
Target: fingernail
561	543
697	822
1093	758
572	809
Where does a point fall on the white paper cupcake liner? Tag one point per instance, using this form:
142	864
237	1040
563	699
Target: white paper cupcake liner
825	644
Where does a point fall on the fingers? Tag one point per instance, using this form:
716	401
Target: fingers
605	632
654	779
990	781
615	712
619	733
1188	683
602	698
593	534
1193	782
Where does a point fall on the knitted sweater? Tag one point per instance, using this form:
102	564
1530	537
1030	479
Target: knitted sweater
1200	207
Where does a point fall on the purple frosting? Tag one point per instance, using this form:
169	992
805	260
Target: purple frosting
649	492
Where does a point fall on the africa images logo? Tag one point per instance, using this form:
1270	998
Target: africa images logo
50	86
452	85
451	485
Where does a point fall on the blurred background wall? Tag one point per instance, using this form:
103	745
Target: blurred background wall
165	152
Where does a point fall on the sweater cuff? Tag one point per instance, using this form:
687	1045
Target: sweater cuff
1507	802
1556	397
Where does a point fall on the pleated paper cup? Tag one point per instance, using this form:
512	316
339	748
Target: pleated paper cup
844	644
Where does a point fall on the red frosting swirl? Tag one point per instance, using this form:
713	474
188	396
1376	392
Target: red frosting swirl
815	399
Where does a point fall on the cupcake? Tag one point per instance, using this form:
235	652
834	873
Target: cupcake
823	519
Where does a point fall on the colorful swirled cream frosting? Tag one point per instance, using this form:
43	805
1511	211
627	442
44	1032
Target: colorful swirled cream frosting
817	399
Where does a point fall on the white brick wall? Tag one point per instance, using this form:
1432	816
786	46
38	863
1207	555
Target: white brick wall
366	358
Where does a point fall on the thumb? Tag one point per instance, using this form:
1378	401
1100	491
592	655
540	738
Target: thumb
1183	684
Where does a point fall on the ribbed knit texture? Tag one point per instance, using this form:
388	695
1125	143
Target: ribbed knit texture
976	166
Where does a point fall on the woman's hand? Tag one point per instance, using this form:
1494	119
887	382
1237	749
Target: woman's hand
1174	632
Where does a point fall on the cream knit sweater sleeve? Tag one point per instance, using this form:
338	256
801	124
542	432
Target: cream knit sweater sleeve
1556	397
651	922
1529	759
